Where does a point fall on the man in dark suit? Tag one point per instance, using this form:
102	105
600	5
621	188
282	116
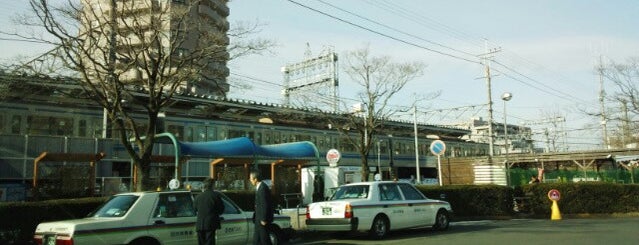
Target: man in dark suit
209	207
263	216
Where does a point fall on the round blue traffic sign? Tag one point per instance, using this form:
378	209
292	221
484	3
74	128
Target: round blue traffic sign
438	147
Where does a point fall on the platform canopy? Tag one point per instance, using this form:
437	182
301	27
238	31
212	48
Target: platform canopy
626	158
237	147
241	147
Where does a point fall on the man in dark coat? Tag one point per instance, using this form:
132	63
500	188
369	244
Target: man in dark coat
209	207
263	216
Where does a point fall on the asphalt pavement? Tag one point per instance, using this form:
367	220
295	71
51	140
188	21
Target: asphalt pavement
579	231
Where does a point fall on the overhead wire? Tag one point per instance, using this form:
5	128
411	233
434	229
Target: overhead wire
549	90
397	30
382	34
422	19
400	11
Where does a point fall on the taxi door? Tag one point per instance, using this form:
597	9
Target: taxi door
393	205
173	220
234	225
419	211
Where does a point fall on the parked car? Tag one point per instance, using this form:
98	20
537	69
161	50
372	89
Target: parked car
377	208
154	218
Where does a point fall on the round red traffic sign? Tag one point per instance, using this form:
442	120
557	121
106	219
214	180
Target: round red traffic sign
554	195
332	157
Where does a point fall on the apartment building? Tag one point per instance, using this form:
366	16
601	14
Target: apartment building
184	38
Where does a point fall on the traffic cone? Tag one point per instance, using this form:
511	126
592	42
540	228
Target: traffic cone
555	214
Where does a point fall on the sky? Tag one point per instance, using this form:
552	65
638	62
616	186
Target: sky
543	52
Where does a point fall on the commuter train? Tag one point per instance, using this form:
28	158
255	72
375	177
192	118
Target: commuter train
81	121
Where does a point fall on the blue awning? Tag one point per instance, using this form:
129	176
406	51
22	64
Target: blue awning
295	150
242	147
236	147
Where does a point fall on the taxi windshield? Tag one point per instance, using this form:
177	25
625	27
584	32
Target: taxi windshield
351	192
117	206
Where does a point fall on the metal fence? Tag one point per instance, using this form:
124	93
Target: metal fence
520	176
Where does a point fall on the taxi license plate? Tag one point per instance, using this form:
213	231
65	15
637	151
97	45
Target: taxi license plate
48	239
326	210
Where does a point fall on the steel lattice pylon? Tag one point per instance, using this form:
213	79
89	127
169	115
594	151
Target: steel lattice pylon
312	83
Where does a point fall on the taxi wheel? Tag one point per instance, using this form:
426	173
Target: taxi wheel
274	235
442	221
144	241
380	227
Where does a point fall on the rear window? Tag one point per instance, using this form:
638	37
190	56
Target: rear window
173	205
410	193
117	206
351	192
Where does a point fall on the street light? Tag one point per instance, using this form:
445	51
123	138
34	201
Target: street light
506	97
419	177
359	108
379	167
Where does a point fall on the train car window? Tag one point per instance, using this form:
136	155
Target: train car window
82	128
37	125
16	123
2	124
200	134
276	138
251	135
188	134
211	133
176	130
268	139
234	133
258	138
221	133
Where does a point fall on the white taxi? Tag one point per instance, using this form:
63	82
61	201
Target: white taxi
153	218
377	207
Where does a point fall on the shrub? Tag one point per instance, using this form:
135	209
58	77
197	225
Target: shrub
19	219
470	201
584	198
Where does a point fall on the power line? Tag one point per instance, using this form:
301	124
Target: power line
383	34
562	94
448	30
397	30
421	18
24	40
255	79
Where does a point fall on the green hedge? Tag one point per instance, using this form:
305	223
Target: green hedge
473	201
584	198
19	219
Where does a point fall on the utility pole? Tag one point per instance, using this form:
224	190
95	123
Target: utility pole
418	179
625	124
602	95
111	65
486	57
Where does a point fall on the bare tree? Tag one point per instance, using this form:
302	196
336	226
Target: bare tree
136	55
625	76
380	79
